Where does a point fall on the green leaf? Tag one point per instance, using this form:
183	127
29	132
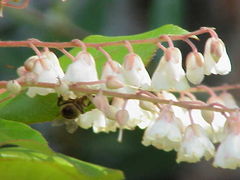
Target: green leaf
3	96
24	164
30	110
146	51
15	133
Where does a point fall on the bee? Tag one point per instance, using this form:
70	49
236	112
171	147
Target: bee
70	110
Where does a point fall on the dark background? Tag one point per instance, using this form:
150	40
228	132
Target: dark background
52	20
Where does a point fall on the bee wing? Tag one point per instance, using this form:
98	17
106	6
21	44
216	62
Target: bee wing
71	126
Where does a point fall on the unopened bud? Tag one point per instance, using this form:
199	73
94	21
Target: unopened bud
118	102
13	87
30	63
101	102
122	117
21	71
148	106
113	83
194	67
208	115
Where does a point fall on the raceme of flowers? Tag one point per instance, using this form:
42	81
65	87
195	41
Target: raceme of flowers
193	133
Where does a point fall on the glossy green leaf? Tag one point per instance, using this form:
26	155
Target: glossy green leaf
16	133
24	164
30	110
146	51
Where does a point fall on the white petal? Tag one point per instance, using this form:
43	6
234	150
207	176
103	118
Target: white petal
83	69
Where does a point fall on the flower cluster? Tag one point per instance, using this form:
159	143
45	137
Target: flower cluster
190	131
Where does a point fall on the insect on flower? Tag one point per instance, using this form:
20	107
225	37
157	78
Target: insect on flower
70	111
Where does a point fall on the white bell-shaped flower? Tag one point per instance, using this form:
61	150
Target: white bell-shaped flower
195	145
216	57
55	63
83	69
45	73
169	73
97	120
135	72
138	116
178	111
228	153
195	67
164	132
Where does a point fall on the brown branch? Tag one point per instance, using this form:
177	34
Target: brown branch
97	45
183	104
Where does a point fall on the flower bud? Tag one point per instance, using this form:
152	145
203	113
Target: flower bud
122	117
30	63
148	106
207	115
195	67
101	102
118	102
13	87
113	83
21	71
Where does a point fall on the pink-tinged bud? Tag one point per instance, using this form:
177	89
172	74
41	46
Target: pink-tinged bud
101	102
216	58
114	69
113	83
169	73
122	117
135	72
21	71
83	69
30	63
13	87
118	102
195	67
148	106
